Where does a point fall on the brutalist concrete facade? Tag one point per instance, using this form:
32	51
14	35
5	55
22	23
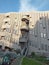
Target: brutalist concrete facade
25	30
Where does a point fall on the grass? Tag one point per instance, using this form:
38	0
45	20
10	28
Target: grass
41	59
27	61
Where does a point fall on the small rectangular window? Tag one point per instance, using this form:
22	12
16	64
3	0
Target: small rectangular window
44	27
7	16
45	47
42	46
40	18
48	48
42	35
2	37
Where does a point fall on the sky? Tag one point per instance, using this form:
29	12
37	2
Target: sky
23	5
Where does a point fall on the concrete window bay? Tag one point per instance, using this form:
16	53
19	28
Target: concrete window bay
25	31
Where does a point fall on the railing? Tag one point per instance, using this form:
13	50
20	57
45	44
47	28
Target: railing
24	51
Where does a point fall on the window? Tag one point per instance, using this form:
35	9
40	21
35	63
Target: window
30	43
41	24
45	47
6	22
44	27
35	35
27	15
7	16
42	46
40	18
42	35
48	48
15	18
31	32
2	37
38	48
6	30
48	39
32	25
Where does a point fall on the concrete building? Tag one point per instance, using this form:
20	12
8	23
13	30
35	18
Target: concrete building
26	31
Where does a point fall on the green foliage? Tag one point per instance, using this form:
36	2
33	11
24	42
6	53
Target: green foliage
28	61
33	54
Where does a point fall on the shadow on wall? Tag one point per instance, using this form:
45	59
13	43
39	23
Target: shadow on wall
39	37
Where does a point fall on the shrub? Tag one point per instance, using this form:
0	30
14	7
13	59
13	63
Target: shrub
33	54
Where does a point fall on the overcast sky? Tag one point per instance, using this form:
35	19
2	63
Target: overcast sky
23	5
